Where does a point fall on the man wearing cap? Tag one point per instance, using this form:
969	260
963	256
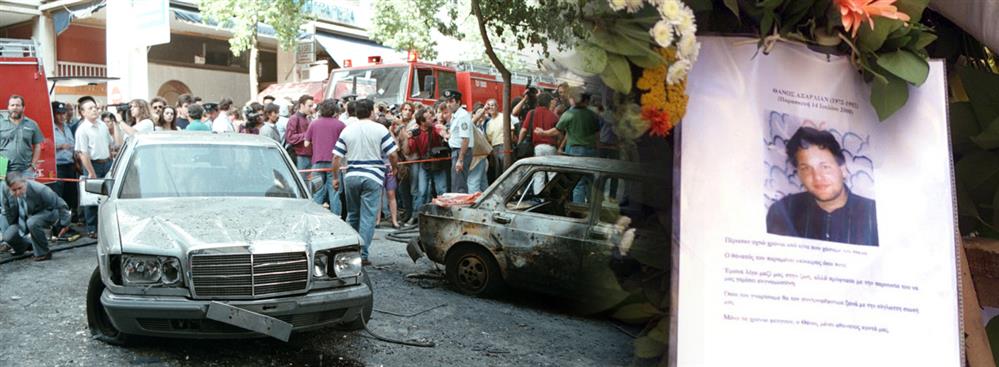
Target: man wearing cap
460	140
20	139
93	145
210	114
65	144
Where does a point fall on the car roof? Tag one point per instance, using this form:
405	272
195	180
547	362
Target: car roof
597	165
190	137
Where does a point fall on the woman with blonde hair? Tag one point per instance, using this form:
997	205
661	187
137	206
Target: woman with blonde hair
141	118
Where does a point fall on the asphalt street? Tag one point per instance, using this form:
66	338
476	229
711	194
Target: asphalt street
43	323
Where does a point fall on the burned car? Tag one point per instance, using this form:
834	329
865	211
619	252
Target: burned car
214	236
567	226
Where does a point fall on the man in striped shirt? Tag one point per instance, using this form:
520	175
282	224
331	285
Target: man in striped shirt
364	144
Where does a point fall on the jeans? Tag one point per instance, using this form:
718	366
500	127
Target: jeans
303	162
90	212
477	181
423	180
326	191
37	224
581	192
539	180
362	205
404	193
459	180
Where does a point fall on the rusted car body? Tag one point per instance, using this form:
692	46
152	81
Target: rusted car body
543	239
215	236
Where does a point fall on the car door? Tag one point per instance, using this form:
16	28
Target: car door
626	203
541	231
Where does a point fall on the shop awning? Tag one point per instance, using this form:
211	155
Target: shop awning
285	92
343	48
195	17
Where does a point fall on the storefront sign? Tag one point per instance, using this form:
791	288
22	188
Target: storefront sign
811	234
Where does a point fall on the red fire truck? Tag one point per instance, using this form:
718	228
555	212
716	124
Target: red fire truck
422	82
22	73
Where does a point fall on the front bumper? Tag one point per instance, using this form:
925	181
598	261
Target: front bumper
180	317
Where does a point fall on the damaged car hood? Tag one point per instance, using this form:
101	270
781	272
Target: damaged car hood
173	226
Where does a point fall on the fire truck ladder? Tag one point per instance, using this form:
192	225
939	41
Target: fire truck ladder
18	48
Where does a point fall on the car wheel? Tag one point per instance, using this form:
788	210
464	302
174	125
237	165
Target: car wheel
473	271
358	323
98	321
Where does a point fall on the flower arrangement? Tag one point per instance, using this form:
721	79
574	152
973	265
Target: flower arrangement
642	50
655	39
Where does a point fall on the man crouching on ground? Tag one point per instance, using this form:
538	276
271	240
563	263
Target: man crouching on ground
32	208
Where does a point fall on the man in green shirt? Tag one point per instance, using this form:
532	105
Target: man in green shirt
580	126
196	112
20	139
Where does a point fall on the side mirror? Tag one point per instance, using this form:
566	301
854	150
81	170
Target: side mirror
99	186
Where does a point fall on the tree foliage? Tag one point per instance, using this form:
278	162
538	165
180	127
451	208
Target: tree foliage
407	25
241	17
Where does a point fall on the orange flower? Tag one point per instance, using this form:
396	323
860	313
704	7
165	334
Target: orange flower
854	12
659	124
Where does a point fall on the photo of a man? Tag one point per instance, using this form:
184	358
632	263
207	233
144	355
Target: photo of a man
827	210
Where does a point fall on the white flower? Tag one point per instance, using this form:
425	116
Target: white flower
687	46
617	5
670	9
685	21
662	32
633	5
677	71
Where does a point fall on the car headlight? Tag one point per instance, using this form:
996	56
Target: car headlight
170	271
150	270
347	264
320	264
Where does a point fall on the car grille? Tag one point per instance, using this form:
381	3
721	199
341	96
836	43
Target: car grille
249	275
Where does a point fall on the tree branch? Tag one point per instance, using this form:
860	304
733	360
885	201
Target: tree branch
505	73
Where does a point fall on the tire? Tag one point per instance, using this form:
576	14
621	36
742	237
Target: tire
98	321
358	324
473	271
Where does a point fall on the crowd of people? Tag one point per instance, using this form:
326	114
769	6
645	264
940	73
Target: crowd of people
366	160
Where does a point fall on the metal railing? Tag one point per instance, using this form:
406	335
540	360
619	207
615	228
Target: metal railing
10	47
79	69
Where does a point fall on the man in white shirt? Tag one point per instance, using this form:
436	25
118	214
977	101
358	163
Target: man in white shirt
93	145
364	145
460	139
222	124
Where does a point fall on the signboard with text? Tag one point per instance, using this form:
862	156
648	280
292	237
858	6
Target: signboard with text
811	234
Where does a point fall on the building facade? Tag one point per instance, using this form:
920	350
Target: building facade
75	39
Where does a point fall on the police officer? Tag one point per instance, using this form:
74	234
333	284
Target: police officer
460	140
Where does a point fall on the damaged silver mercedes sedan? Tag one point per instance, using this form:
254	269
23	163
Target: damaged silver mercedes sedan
214	236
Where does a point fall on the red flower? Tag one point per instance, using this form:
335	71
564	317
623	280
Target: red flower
854	12
659	124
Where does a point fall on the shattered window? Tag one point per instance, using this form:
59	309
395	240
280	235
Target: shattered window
641	201
176	170
551	192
